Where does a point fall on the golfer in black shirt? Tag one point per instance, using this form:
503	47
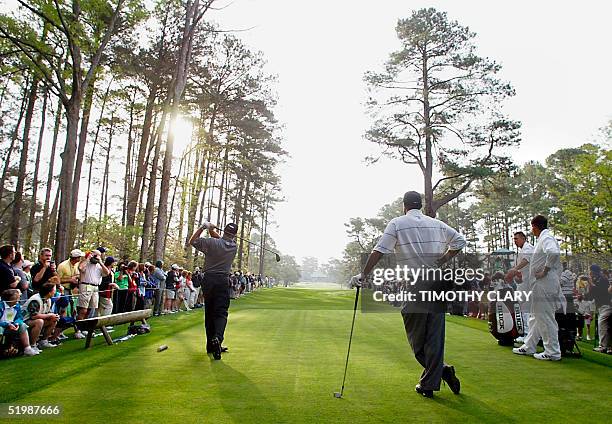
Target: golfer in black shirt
219	254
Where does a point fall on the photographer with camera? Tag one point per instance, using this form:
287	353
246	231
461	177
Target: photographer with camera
92	270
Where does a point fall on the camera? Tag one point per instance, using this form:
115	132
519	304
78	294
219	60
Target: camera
94	260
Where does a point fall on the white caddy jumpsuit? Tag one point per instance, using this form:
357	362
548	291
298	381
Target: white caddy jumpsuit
526	283
547	296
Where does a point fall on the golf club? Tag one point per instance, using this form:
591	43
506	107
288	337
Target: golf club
341	392
277	256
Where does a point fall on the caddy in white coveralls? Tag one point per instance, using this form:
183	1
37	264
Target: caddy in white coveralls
545	270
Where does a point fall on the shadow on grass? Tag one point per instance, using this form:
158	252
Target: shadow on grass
240	398
477	409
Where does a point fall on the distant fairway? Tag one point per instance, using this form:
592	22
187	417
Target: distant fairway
287	351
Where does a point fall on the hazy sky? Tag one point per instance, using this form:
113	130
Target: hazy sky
556	56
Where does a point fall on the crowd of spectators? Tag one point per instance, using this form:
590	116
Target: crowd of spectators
43	299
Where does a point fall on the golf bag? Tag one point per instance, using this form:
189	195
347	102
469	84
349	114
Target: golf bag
138	329
505	320
567	334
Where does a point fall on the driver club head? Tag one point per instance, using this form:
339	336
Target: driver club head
337	395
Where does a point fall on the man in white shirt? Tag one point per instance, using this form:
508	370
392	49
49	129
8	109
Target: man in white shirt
544	270
92	269
522	268
421	242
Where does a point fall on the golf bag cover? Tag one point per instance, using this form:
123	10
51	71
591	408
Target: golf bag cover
505	320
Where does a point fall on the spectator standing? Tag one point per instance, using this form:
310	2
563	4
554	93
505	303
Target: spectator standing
197	279
91	272
106	289
122	282
24	283
585	309
158	277
7	273
171	280
600	292
44	269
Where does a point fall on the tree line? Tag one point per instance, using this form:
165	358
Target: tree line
93	96
438	105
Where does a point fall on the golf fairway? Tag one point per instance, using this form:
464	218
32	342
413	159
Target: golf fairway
286	359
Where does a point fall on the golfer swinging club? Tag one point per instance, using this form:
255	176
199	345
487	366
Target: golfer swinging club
219	254
421	242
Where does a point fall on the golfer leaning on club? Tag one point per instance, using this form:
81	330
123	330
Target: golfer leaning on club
420	241
219	253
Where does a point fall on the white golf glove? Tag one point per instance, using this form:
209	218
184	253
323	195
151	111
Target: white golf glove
357	280
207	225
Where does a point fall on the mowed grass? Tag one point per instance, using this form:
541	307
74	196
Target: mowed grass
287	352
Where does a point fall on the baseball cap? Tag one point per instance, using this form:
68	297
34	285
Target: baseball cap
26	264
109	260
413	200
231	228
101	249
77	253
174	266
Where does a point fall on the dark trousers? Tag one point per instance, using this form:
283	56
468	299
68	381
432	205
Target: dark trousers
157	305
216	305
425	331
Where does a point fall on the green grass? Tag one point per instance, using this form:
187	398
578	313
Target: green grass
287	351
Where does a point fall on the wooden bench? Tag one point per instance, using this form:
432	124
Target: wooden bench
91	324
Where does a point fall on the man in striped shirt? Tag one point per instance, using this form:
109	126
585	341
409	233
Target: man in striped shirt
421	242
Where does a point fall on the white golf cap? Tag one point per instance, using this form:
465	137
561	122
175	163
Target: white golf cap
174	266
26	264
77	253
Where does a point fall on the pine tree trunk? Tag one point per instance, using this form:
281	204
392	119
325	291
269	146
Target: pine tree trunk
23	164
14	135
80	154
127	183
44	226
66	177
142	150
150	205
34	202
91	157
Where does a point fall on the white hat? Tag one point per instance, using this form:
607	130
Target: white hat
26	264
174	266
77	253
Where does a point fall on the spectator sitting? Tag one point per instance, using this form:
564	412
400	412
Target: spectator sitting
11	320
8	280
39	318
43	269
